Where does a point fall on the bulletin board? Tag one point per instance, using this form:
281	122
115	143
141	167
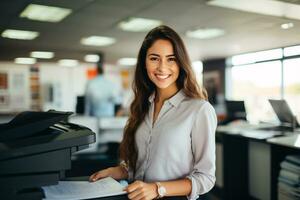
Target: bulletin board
14	88
3	89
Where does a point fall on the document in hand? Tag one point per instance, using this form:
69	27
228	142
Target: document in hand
71	190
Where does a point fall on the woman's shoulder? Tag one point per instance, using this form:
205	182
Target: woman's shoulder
198	104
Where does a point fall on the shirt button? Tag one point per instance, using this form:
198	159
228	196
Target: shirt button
149	139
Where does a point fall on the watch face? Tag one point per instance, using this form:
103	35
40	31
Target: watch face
161	191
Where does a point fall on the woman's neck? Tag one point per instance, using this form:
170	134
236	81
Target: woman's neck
164	94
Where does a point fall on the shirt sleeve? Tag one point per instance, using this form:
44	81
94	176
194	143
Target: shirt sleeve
202	175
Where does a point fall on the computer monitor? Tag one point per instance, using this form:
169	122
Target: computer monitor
235	110
80	104
283	112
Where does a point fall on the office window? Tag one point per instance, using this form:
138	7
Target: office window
197	67
255	84
250	58
291	83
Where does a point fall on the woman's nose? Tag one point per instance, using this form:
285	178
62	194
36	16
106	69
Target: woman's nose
162	65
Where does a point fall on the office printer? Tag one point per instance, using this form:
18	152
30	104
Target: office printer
36	150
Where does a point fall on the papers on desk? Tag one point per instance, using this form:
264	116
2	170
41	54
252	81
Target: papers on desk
236	127
73	190
248	130
260	134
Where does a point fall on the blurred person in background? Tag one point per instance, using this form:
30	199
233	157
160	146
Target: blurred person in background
101	96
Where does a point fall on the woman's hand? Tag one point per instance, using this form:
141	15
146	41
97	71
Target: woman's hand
114	172
100	174
142	191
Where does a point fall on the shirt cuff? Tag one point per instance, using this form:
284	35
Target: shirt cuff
193	195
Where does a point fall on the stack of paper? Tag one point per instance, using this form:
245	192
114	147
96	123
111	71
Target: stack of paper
71	190
289	178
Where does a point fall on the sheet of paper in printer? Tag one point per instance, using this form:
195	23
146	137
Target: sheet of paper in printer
74	190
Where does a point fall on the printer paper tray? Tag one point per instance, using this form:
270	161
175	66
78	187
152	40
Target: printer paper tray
38	163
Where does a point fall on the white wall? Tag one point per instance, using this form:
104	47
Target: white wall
65	82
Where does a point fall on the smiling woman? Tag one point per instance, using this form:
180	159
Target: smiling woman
168	147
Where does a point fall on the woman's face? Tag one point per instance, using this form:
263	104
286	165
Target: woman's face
161	65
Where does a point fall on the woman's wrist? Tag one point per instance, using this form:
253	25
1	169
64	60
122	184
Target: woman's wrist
124	172
118	172
155	190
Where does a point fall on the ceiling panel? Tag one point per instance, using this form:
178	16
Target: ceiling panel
245	32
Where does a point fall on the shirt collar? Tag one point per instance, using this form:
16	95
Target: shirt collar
151	98
174	100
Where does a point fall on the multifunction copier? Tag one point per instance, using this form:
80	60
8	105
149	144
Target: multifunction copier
36	150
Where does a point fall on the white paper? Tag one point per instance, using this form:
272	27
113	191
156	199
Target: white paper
73	190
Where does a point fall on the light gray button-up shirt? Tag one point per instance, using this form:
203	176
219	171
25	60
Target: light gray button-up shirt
180	144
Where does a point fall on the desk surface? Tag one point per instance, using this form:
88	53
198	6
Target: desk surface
249	131
292	141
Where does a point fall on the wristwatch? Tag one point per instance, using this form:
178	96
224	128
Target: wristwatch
161	190
124	165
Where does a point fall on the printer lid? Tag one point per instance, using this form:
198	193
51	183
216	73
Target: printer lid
58	136
29	123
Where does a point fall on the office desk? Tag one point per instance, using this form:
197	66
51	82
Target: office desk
236	143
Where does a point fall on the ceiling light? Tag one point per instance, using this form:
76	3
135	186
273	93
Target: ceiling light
134	24
68	62
45	13
291	51
97	41
287	25
25	61
93	58
19	34
42	54
265	7
206	33
127	61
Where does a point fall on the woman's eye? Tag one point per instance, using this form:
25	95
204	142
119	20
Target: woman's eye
153	59
172	59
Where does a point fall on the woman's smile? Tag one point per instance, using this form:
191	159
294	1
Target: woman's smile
162	77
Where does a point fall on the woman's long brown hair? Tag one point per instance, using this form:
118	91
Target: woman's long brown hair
143	88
